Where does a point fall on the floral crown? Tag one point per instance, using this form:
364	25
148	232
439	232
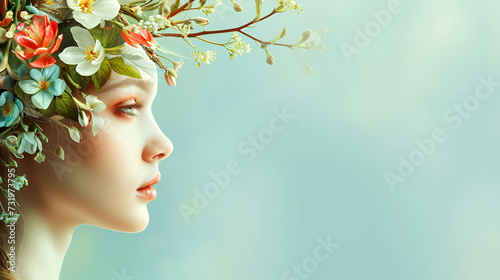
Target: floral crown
51	50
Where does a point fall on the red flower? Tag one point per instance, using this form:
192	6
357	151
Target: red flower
142	37
39	40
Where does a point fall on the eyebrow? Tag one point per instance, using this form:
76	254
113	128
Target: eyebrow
142	84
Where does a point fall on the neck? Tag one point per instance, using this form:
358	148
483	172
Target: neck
40	245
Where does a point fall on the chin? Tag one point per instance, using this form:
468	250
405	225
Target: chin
132	224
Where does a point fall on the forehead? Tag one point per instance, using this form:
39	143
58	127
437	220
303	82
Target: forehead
116	82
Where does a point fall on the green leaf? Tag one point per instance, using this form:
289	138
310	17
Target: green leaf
20	93
102	75
82	81
5	58
24	126
109	38
16	67
119	66
66	107
114	50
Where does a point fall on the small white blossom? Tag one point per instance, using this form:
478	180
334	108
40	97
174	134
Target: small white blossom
205	57
24	15
235	46
10	33
155	23
287	5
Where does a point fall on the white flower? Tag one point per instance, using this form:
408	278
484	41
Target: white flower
89	54
90	12
97	106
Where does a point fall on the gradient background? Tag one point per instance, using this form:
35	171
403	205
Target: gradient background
323	175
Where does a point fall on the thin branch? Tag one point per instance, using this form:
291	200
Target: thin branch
235	29
228	30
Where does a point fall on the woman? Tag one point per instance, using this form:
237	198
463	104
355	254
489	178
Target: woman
104	180
103	189
86	78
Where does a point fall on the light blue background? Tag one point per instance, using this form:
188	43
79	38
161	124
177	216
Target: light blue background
323	175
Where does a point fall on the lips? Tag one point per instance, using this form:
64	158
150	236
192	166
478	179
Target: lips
146	191
151	182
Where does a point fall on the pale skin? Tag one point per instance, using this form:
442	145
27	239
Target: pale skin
100	189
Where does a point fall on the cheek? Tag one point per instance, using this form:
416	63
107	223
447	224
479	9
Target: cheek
115	155
105	181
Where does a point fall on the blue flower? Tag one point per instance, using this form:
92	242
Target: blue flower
45	85
19	181
29	143
10	108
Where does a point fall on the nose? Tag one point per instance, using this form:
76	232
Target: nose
158	146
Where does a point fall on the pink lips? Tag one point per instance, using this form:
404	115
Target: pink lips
146	190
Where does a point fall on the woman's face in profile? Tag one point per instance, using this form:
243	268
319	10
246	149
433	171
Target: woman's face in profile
102	173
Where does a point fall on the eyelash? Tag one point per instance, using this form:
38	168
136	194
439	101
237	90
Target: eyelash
134	107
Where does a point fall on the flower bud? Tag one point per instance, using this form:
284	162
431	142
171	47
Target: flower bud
269	57
172	73
201	21
82	118
258	9
304	37
237	7
279	37
202	3
171	80
59	152
164	8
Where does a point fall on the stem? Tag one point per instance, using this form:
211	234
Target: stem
68	77
121	25
205	40
302	60
5	131
262	42
173	62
